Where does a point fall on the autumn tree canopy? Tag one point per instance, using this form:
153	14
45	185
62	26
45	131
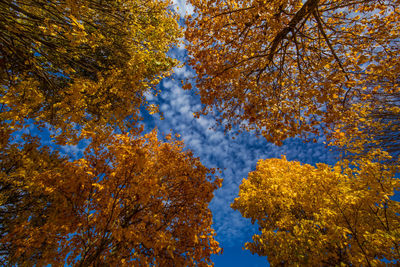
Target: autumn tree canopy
323	216
375	126
81	69
85	63
283	68
305	68
293	67
130	201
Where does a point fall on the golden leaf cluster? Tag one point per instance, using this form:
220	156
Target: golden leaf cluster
294	68
83	62
80	70
130	201
280	68
322	216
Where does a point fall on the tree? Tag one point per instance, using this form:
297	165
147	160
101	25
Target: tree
323	216
375	126
20	199
81	69
130	201
82	63
289	68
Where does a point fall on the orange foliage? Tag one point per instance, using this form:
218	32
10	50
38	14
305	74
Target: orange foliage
81	69
323	216
85	63
293	68
130	201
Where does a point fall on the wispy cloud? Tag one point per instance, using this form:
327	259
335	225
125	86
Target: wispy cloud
236	157
182	7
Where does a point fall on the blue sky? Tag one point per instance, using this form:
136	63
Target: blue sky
236	157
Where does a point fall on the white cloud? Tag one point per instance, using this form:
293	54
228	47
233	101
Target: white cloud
149	96
183	8
215	136
236	157
183	72
205	123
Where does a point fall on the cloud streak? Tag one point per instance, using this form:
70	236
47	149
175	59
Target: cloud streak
236	157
